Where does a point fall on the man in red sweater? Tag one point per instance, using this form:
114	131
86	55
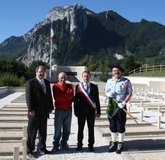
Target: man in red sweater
63	96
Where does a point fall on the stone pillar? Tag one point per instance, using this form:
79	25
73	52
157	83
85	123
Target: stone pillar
159	117
16	153
141	112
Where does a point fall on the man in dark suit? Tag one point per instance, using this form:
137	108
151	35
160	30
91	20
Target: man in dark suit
39	103
86	107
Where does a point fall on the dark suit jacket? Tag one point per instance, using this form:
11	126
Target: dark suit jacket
80	104
36	99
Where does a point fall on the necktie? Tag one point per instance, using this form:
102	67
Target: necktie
43	86
86	87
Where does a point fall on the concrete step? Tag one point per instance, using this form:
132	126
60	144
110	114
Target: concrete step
154	104
156	96
15	119
104	114
19	99
130	123
136	131
13	109
11	135
139	101
16	105
105	117
11	125
8	113
7	148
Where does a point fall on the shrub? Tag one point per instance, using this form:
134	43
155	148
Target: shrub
9	79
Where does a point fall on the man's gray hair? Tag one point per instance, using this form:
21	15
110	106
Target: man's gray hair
62	74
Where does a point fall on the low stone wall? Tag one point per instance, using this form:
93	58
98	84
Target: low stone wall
155	83
4	90
145	80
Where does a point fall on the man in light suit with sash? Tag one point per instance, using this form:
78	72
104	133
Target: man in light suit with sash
86	107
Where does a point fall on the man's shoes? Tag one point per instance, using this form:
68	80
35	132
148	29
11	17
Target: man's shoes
64	146
79	148
112	147
119	148
91	149
44	151
32	155
54	150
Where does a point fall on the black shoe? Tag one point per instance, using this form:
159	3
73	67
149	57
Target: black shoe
91	149
44	151
54	150
64	146
112	147
79	148
119	148
32	155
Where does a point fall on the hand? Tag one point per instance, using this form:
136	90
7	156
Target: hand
121	105
50	111
98	115
32	113
109	94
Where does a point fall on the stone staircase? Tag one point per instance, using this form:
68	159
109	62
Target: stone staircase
13	118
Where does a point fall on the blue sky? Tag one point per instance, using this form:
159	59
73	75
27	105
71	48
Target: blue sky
18	16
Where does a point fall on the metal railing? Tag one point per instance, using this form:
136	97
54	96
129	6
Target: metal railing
148	69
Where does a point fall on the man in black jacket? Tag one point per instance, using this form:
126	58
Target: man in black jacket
86	107
40	104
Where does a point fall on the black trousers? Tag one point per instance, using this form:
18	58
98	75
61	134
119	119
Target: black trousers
117	122
90	118
36	124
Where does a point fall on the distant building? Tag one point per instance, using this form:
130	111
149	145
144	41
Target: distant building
74	73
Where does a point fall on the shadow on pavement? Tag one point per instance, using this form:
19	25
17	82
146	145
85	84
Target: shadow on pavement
5	94
145	144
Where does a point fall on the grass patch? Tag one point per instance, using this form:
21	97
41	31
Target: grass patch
150	74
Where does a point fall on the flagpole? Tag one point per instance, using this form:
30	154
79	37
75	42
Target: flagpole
50	70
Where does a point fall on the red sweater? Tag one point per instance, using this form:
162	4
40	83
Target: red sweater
63	96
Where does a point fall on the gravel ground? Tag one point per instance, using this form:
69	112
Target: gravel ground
149	155
101	146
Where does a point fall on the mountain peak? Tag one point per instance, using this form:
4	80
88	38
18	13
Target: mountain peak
65	11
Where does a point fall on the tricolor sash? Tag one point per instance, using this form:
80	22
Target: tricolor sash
86	95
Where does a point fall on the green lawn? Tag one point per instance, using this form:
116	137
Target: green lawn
150	74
